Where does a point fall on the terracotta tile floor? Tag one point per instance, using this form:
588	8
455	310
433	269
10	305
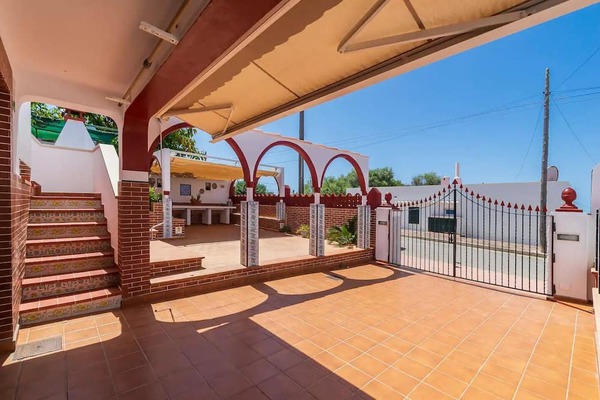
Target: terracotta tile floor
362	333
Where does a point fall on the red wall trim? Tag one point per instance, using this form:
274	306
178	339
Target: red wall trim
352	161
240	155
299	150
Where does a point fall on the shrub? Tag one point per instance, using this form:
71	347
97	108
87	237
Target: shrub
303	230
154	196
343	235
285	229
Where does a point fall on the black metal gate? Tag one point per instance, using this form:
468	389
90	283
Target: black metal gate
462	234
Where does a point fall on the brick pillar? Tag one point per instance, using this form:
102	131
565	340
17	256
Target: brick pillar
6	281
134	238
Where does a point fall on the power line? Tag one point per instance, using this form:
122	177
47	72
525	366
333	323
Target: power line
574	134
537	123
580	66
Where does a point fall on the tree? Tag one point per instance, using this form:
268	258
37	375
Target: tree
240	188
428	178
182	140
339	185
41	111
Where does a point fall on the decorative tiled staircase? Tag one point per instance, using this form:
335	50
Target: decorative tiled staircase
70	267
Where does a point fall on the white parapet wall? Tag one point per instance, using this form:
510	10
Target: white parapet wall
59	169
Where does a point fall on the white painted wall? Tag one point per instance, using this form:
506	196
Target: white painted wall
595	198
574	259
218	195
23	127
75	135
106	182
60	169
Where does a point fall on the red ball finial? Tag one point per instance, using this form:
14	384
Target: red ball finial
388	198
569	195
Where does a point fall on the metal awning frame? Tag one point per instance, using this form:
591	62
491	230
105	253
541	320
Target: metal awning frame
187	111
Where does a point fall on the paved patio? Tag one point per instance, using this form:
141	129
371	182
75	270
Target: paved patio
220	246
364	332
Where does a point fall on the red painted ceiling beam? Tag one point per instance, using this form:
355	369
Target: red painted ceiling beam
217	28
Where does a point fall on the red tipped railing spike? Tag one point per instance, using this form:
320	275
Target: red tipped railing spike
429	198
466	189
461	186
483	198
508	205
537	208
502	204
439	193
478	196
434	195
455	182
490	201
495	202
450	186
529	208
516	206
545	209
522	206
472	193
444	190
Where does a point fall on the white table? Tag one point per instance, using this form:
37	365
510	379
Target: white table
206	212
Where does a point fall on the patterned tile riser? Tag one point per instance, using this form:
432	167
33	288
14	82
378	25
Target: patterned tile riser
75	286
64	203
63	267
71	216
34	317
59	249
65	232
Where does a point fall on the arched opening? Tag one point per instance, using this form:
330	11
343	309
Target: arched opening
300	151
359	174
266	185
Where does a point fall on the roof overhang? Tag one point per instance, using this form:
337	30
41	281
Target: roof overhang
316	51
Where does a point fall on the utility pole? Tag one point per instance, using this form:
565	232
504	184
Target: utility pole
544	178
300	160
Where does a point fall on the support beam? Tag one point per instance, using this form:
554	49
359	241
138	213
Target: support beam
434	33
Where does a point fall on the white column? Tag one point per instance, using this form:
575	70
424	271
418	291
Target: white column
249	194
363	200
165	168
317	198
249	233
280	183
317	230
363	239
382	233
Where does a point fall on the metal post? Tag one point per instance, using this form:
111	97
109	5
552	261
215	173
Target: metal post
455	231
300	160
544	177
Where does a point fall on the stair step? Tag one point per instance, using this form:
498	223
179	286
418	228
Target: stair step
56	247
65	215
53	265
69	305
65	202
76	282
66	229
66	194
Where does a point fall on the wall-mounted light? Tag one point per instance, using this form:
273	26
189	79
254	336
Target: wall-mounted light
164	35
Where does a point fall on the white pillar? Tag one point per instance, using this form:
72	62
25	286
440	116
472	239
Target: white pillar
280	183
363	200
249	194
317	230
317	198
363	239
249	233
165	168
382	232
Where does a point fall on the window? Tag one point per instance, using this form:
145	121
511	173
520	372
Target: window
413	215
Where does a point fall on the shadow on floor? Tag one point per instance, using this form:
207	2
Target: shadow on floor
191	350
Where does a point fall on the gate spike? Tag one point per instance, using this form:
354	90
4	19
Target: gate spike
490	201
429	198
509	206
461	186
434	195
502	204
545	209
522	206
466	189
495	202
537	208
472	194
483	198
478	196
450	186
516	206
439	193
444	190
529	208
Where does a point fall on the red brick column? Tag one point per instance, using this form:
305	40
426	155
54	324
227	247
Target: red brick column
134	238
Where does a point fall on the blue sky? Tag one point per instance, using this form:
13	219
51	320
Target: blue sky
405	122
